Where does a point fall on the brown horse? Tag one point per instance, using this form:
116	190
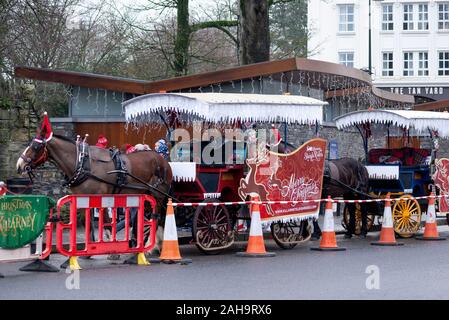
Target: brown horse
147	166
349	179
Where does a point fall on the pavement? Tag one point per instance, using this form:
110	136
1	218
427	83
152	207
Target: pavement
417	270
185	234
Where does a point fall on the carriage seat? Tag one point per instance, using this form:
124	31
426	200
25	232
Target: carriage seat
406	156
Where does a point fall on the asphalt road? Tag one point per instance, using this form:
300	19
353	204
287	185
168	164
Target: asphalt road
418	270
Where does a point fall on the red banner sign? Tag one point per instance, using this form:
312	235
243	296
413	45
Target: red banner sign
296	176
441	180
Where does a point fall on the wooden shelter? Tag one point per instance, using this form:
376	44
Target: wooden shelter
95	104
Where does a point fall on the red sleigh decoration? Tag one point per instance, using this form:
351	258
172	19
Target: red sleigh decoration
297	176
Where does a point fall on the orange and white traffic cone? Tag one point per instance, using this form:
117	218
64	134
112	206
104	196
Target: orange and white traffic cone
328	237
256	245
170	247
430	229
387	237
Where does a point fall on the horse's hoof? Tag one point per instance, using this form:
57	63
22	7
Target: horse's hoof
348	236
315	237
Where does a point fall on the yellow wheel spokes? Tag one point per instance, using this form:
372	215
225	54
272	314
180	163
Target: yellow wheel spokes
406	216
401	205
400	223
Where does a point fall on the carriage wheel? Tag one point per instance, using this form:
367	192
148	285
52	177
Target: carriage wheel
406	216
288	235
212	231
358	219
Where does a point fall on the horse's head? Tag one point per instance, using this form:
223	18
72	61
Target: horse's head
36	152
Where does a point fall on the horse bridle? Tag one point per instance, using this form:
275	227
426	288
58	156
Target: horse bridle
30	164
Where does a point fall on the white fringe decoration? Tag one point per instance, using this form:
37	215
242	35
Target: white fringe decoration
225	107
383	172
310	216
183	171
422	121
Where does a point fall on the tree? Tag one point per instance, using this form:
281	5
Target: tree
178	58
254	31
98	41
288	29
287	20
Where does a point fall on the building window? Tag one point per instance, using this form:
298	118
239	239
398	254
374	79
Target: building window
423	17
346	20
346	58
387	17
443	16
408	17
408	64
443	63
423	63
387	64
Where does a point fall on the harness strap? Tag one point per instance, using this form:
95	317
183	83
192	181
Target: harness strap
119	166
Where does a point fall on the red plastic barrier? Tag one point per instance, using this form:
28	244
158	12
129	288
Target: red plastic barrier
102	202
48	237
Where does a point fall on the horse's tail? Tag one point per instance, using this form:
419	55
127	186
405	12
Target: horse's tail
363	178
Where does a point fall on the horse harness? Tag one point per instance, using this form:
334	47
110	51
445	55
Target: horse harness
83	169
327	176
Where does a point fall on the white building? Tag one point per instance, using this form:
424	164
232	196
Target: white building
410	42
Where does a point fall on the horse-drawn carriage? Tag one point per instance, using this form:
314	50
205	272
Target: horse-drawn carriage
234	170
404	167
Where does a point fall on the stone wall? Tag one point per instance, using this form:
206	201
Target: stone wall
16	130
13	139
17	127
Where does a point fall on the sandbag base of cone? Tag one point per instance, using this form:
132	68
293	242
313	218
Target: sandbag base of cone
255	255
170	261
328	249
387	244
422	237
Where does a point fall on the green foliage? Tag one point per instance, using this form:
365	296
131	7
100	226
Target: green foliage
104	39
6	103
288	28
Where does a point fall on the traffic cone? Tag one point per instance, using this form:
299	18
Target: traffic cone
256	245
387	237
430	229
170	247
328	238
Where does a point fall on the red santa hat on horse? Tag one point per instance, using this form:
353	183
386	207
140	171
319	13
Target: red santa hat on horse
46	132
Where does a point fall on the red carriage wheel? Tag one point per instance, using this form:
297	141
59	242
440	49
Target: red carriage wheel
212	231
